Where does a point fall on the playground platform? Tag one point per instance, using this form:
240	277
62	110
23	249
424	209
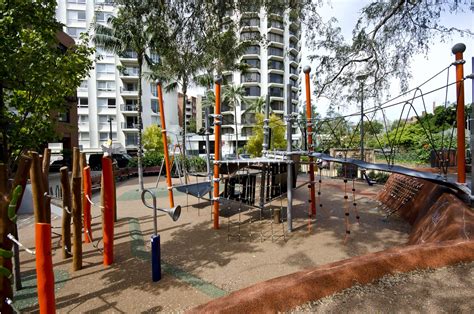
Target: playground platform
201	264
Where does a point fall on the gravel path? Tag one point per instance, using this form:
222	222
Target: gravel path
445	290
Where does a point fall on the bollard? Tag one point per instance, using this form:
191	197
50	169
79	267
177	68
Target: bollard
458	51
309	120
108	210
217	140
86	205
44	268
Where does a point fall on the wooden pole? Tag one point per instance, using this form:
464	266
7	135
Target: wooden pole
45	173
37	190
86	205
44	268
165	145
107	194
67	207
309	123
458	51
217	139
20	179
77	224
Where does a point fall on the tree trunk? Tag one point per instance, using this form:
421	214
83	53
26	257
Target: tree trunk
236	133
140	123
3	126
66	221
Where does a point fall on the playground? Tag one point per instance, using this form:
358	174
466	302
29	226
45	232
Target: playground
265	234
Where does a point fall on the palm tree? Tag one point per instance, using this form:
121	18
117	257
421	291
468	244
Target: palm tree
234	96
257	106
131	30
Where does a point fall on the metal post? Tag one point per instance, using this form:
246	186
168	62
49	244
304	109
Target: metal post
458	50
472	131
217	143
266	126
110	130
362	156
208	146
164	138
306	71
289	140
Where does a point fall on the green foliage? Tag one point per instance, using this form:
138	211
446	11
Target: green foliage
192	125
36	76
379	176
152	138
152	158
255	142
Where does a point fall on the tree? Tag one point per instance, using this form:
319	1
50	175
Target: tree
234	96
387	35
136	28
37	75
254	144
152	139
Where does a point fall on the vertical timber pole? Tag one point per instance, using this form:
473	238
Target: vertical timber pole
217	144
309	123
76	211
289	167
108	210
458	51
86	205
165	144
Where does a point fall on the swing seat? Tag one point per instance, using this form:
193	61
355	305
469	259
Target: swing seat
195	189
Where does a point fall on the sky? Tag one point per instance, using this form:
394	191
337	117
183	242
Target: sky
423	66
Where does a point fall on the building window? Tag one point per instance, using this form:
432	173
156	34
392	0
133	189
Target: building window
77	1
250	22
106	86
83	102
251	77
100	51
154	106
274	51
76	16
83	136
74	32
83	119
252	50
249	35
252	91
64	117
276	65
104	136
228	79
83	86
102	17
253	63
276	91
106	102
277	105
153	89
105	68
275	78
275	37
275	24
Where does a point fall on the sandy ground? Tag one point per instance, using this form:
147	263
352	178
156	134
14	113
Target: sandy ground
201	263
444	290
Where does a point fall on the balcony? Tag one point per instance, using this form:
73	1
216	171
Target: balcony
128	57
129	74
128	108
129	126
128	92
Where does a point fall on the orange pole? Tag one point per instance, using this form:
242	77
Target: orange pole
217	138
86	205
44	268
108	209
165	144
309	122
458	51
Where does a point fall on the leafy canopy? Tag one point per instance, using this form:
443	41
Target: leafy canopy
37	75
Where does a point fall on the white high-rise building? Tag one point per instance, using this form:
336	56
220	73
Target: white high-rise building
108	97
274	61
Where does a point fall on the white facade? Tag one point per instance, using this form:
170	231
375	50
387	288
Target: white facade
274	61
109	93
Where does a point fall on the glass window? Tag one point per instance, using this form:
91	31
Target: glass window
103	52
249	35
253	63
104	136
275	24
82	102
76	16
83	85
252	50
250	22
106	86
275	51
154	106
275	78
153	89
83	136
276	91
111	102
105	68
275	37
276	65
102	17
251	77
252	91
75	31
277	105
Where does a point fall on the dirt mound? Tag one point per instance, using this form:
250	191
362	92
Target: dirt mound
441	229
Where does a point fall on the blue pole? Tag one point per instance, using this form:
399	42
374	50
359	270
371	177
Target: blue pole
155	258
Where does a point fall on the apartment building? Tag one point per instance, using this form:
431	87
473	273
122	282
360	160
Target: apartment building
107	99
273	58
